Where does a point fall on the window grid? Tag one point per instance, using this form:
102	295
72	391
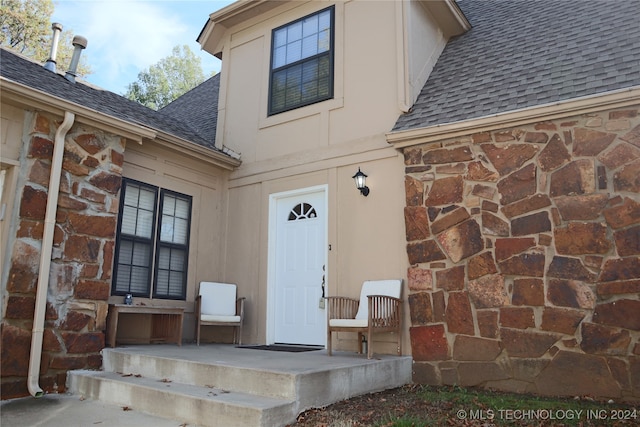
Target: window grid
302	62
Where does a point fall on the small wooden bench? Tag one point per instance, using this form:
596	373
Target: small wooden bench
166	323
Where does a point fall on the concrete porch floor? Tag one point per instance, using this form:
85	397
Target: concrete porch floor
306	379
277	361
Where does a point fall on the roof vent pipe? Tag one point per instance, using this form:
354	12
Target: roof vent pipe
79	43
51	62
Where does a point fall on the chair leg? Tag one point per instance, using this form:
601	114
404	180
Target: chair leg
239	329
360	343
369	344
198	333
399	343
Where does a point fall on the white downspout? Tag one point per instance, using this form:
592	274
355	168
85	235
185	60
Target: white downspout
45	256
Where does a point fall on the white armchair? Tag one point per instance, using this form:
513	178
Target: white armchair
378	310
217	305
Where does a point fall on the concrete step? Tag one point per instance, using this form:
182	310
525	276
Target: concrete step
185	403
203	373
221	385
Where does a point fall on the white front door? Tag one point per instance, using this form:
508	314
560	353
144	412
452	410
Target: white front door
299	224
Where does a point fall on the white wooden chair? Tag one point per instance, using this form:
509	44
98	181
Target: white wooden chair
217	305
378	310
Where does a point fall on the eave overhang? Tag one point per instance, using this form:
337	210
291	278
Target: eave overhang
29	98
211	38
583	105
212	34
449	16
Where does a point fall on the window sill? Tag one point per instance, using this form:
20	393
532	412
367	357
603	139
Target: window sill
300	113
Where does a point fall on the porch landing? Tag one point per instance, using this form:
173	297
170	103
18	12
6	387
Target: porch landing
221	385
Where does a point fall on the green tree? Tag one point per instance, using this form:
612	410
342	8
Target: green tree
25	27
169	78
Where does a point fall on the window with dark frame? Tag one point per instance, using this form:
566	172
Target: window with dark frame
152	242
302	62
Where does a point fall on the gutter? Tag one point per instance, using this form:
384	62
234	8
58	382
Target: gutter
45	256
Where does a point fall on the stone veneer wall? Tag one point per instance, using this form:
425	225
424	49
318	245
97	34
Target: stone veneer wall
83	246
524	246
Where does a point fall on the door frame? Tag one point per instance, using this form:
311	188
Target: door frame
271	251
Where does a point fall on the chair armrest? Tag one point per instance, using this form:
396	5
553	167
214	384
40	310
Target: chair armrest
342	307
240	307
384	311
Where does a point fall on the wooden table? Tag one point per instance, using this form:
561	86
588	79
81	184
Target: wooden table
166	323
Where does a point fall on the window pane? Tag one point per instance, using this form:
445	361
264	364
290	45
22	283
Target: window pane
144	226
129	217
294	32
310	26
141	254
122	280
278	90
140	280
163	258
324	41
279	57
147	199
162	282
131	196
175	283
168	205
294	78
309	46
324	20
180	231
280	37
125	255
166	230
183	208
177	261
294	51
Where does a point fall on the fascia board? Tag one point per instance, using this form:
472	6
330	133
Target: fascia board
583	105
449	16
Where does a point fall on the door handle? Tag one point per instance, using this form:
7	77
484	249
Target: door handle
321	303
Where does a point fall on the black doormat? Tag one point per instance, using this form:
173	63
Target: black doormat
282	347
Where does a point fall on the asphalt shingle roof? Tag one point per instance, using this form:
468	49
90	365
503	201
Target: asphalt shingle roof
520	54
20	70
198	108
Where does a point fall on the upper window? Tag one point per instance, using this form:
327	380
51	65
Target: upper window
302	62
152	242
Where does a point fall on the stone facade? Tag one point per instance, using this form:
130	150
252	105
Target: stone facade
83	248
524	247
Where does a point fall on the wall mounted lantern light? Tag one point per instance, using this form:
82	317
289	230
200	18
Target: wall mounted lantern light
361	182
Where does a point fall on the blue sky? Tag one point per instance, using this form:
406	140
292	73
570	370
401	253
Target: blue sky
127	36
